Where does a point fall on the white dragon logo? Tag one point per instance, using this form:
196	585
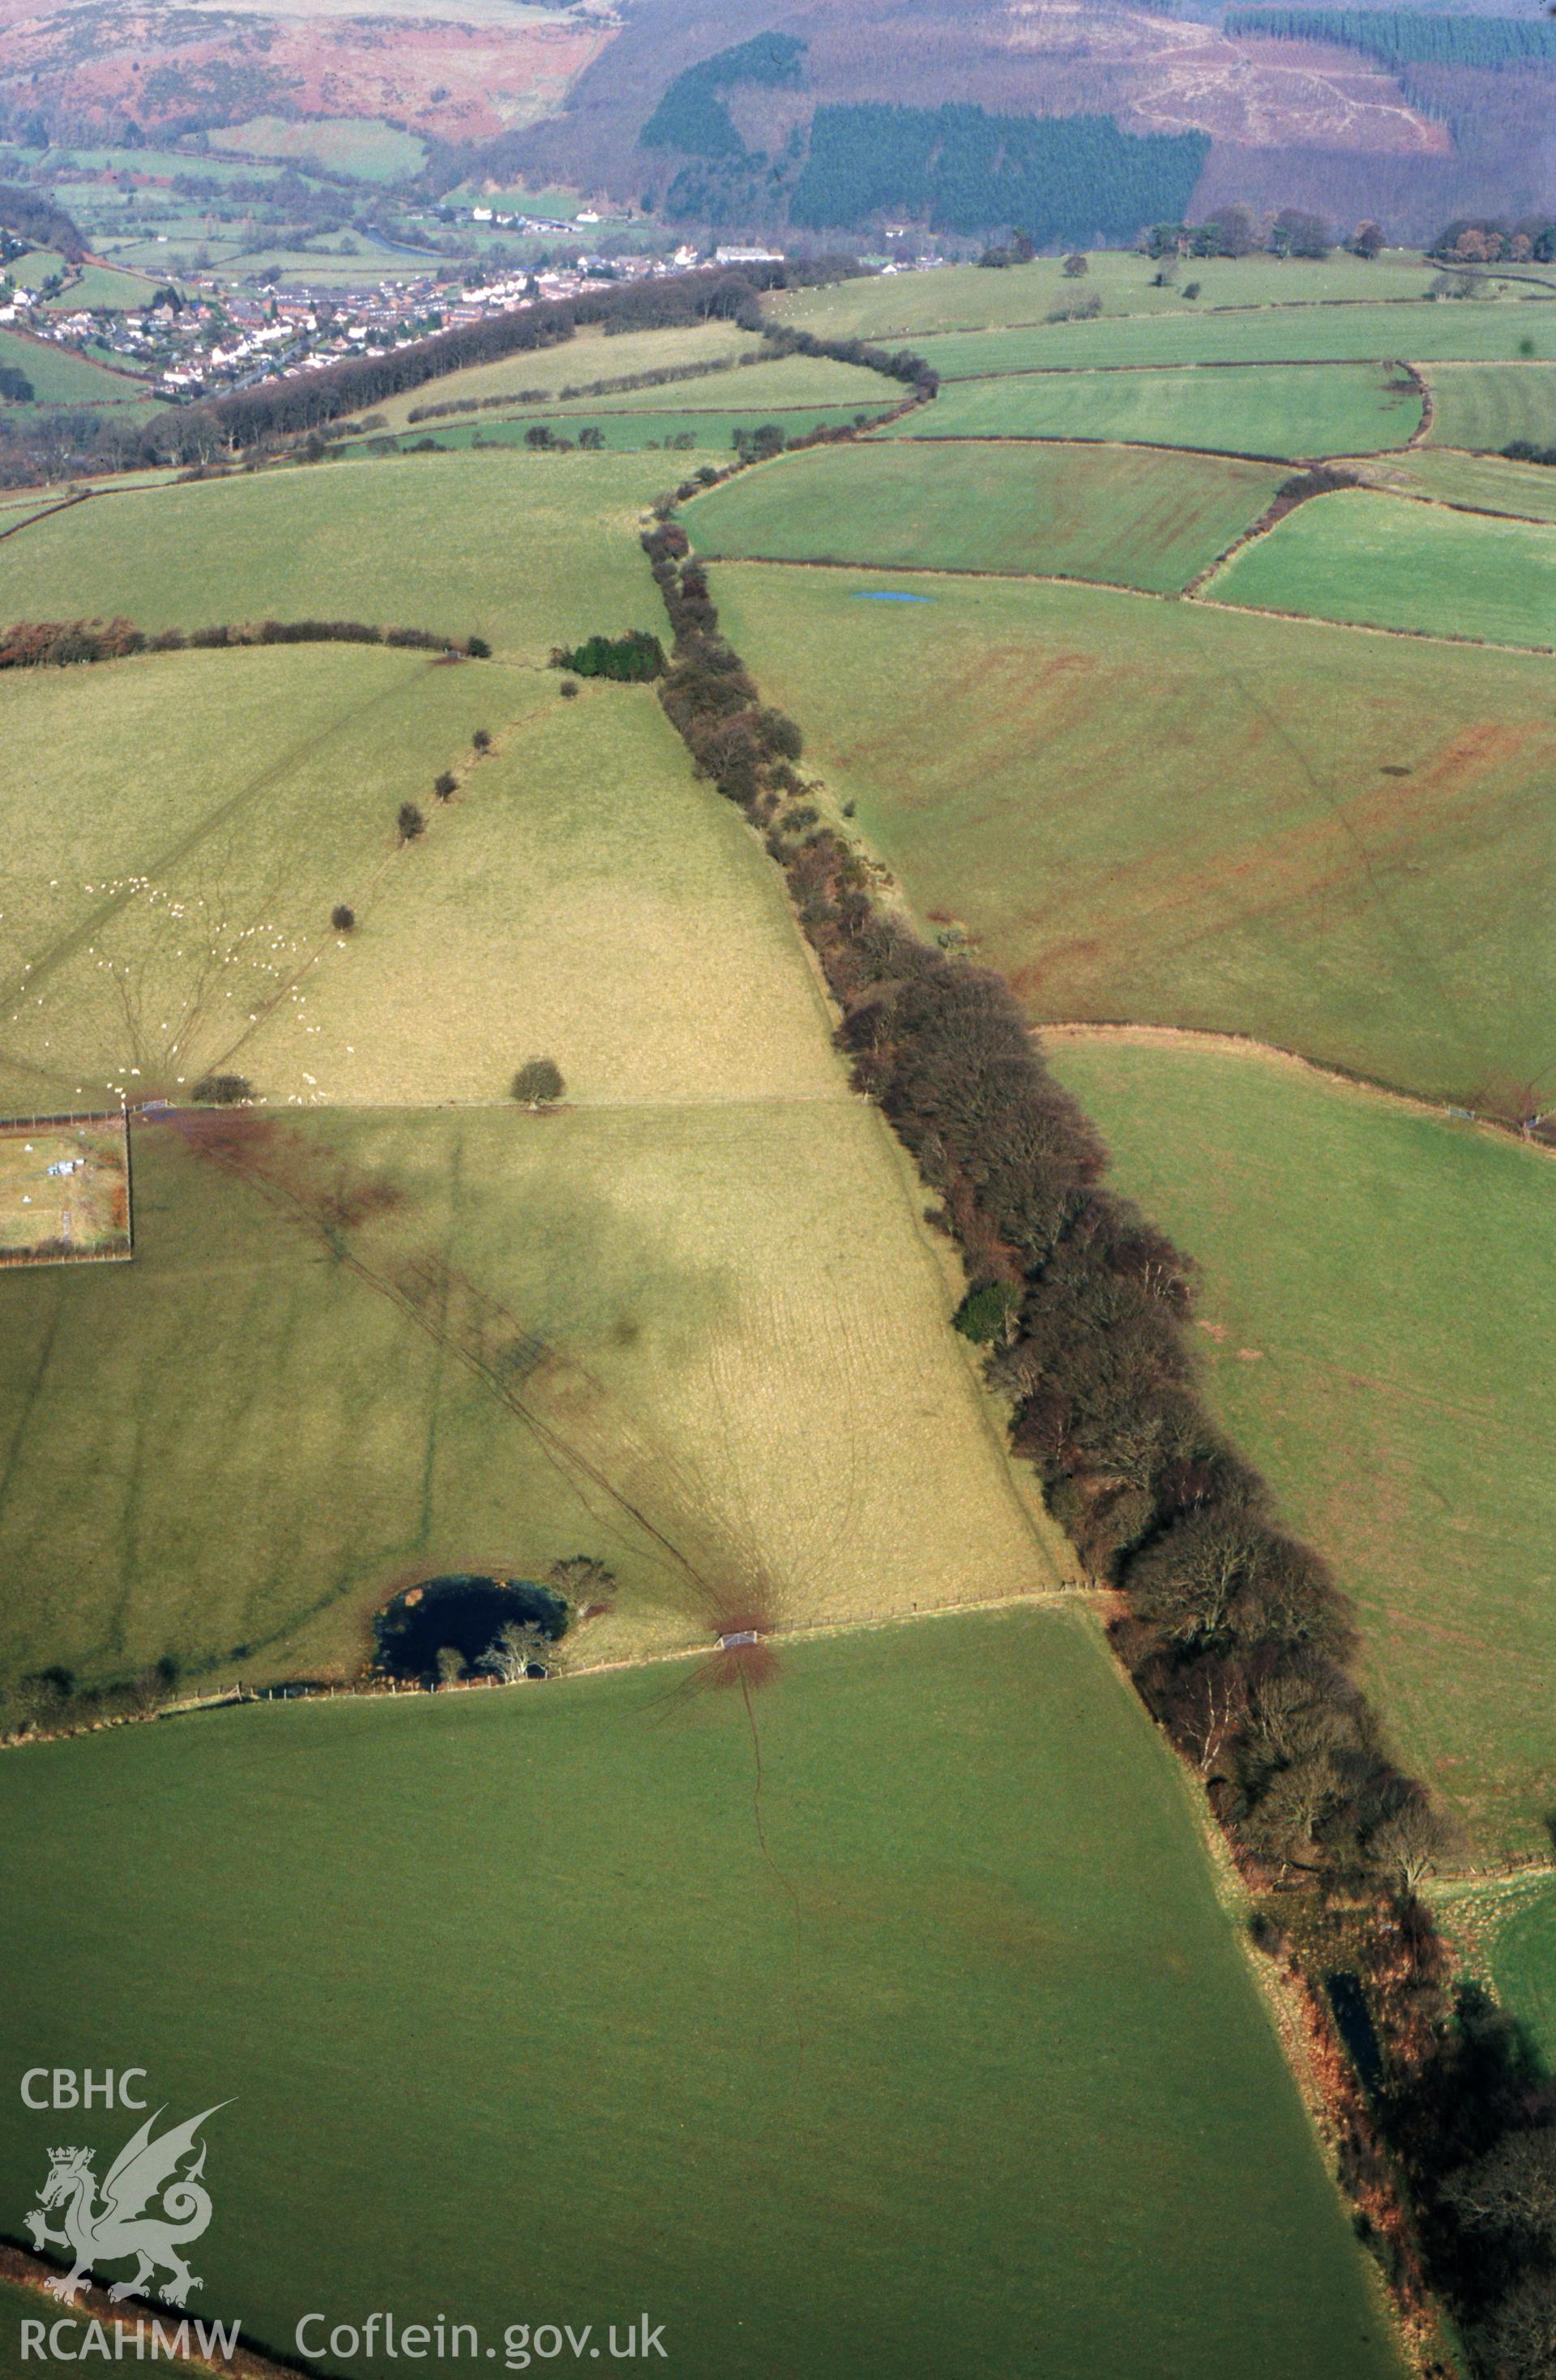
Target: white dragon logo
121	2227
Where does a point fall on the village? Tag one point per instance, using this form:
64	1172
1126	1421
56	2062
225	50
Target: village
200	338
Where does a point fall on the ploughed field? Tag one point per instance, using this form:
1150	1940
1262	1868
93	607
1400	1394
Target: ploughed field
911	1966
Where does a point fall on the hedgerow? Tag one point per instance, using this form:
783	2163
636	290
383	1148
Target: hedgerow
1237	1635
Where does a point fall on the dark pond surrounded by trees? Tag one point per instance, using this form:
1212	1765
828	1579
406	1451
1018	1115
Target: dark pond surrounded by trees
465	1613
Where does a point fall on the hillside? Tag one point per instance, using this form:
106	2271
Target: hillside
1289	107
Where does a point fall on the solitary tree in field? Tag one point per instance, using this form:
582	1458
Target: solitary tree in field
410	823
538	1082
342	918
482	739
221	1090
1075	268
517	1649
446	787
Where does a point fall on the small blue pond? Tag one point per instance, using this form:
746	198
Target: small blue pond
887	595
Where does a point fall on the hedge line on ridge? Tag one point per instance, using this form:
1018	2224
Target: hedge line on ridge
60	644
1236	1633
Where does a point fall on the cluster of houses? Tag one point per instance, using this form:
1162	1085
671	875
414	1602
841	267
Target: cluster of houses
209	338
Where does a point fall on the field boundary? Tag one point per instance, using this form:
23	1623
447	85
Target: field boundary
1086	1595
1275	1053
1357	627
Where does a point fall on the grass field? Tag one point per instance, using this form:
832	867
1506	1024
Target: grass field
60	377
965	296
368	151
1523	1963
1191	817
1367	557
748	1345
625	433
1147	520
714	1230
1502	1929
177	896
1486	407
1376	1309
787	380
1484	482
1282	410
528	550
101	285
591	355
47	1212
965	2009
1492	332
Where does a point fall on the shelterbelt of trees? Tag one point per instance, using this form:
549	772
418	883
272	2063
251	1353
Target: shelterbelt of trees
1235	1634
275	410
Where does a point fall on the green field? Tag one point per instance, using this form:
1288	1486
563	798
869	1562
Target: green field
1376	1308
1483	482
1191	817
30	272
61	377
1523	1964
591	355
1369	558
623	432
176	859
965	296
1493	331
748	1345
527	550
717	1241
1486	406
958	2057
784	381
99	285
367	150
1143	519
1282	410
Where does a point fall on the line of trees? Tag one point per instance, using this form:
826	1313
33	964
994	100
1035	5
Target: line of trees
1482	239
1408	36
275	407
1235	1633
1071	179
59	644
